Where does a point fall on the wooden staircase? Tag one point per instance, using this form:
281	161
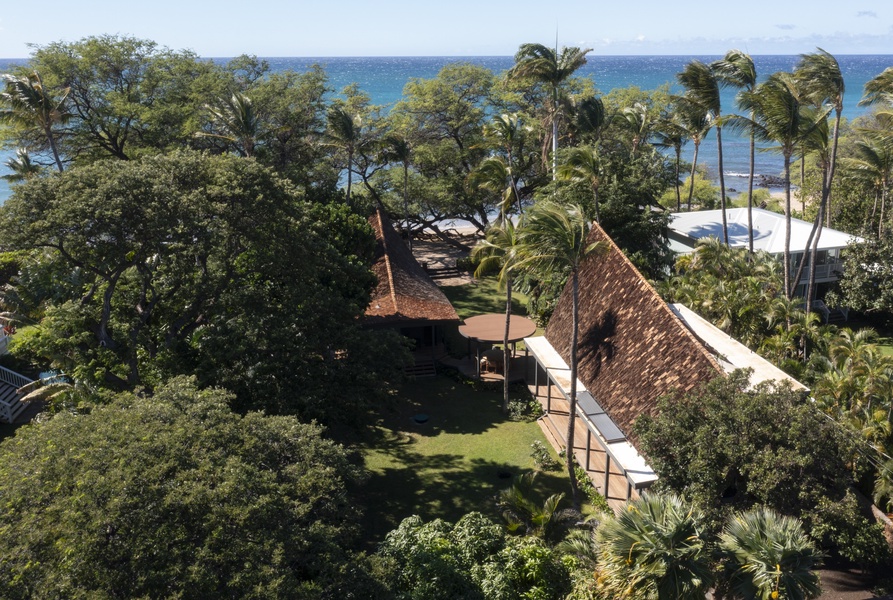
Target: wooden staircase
421	368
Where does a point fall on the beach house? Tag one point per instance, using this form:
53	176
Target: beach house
686	228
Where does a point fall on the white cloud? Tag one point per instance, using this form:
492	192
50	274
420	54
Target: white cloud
867	13
786	26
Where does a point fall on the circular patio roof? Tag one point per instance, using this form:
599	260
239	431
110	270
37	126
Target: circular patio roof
491	328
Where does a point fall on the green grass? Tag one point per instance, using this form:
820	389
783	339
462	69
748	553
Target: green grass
482	296
451	465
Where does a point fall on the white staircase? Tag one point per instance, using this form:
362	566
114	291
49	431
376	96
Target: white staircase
11	405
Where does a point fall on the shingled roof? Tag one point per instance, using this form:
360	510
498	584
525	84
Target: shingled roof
405	294
632	348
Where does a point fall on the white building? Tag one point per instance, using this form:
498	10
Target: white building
687	228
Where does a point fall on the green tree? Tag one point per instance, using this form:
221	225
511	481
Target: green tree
236	122
729	447
173	494
778	118
694	120
582	164
28	104
866	284
197	264
655	548
542	65
737	69
702	87
555	238
21	166
498	251
444	119
769	556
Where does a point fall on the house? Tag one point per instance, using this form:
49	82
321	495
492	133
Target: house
405	298
687	228
633	349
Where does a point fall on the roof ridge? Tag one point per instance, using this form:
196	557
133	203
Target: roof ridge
387	262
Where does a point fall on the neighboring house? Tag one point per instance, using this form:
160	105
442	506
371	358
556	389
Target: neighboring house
405	297
633	349
687	228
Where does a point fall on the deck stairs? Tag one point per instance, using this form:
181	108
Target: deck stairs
11	405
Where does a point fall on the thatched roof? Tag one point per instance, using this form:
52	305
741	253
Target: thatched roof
632	348
405	294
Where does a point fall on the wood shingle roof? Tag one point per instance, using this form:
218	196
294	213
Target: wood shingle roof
405	294
632	348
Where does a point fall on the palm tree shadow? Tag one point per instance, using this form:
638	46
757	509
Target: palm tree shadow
596	346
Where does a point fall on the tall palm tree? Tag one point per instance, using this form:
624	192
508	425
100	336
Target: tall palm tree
737	69
398	149
582	164
236	122
550	68
778	118
344	132
28	103
670	133
555	239
873	160
702	87
509	133
695	121
654	548
639	123
770	557
498	251
819	76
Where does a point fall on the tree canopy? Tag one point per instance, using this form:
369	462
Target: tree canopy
174	495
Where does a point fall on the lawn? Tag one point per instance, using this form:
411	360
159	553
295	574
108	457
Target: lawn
454	463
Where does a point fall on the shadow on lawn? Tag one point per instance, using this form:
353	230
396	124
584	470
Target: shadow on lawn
444	487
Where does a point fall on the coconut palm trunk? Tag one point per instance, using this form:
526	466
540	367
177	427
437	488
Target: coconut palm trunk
722	186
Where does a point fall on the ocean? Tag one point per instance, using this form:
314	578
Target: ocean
383	78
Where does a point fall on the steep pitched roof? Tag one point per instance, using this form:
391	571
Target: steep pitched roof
632	348
404	293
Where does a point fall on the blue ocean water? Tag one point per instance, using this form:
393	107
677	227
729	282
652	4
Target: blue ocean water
383	78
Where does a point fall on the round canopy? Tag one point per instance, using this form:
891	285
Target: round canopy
491	328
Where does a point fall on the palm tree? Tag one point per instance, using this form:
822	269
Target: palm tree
769	556
873	159
28	103
818	75
655	548
397	148
498	251
778	117
546	521
582	164
21	166
670	133
551	68
702	87
237	122
879	90
737	69
639	122
344	132
508	131
694	120
555	239
494	175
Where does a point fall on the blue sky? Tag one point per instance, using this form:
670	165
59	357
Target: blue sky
459	27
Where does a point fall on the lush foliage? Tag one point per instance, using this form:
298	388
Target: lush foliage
187	263
472	559
728	447
174	495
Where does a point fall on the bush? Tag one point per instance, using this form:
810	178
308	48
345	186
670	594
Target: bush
542	458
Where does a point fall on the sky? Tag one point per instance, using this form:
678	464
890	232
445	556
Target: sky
269	28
